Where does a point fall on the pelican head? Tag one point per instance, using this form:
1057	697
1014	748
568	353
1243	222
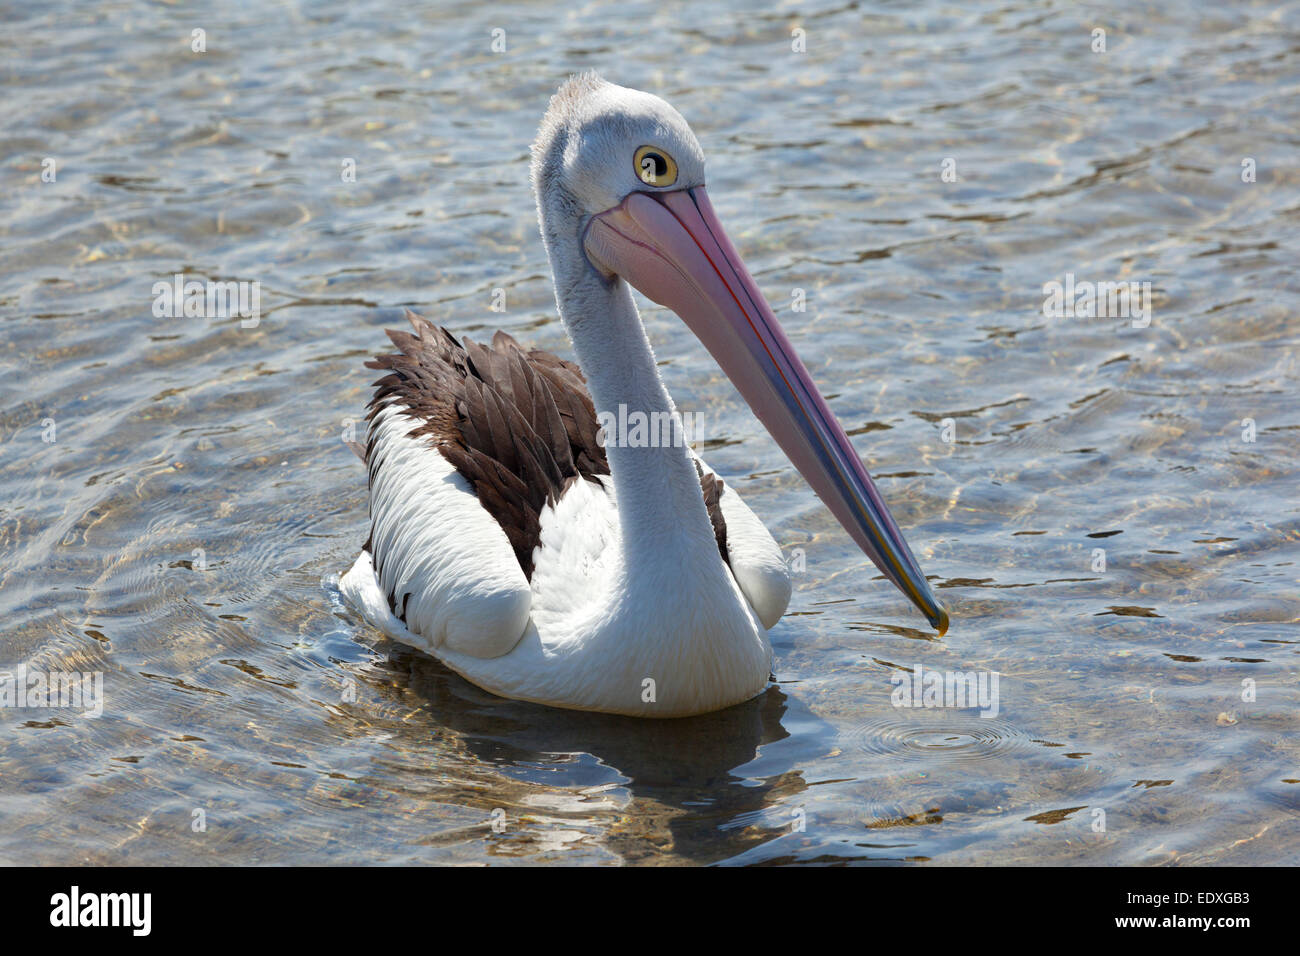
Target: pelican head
619	178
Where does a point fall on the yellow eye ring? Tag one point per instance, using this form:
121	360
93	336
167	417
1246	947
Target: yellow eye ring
654	167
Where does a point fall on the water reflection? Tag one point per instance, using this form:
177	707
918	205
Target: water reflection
683	782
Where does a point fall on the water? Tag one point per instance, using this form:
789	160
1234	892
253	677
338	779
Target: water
180	532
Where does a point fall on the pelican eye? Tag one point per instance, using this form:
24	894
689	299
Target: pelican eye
654	167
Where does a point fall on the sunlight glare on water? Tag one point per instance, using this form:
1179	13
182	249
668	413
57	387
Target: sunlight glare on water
1108	511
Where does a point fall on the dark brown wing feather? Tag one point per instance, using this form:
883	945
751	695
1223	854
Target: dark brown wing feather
518	425
711	485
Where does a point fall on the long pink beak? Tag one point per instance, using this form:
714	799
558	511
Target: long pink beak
671	246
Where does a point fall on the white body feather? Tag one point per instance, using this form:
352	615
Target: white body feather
677	634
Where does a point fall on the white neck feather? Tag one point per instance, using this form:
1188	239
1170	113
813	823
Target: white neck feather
660	505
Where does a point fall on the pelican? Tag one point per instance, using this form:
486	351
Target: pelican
518	541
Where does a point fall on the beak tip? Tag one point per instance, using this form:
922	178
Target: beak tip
940	621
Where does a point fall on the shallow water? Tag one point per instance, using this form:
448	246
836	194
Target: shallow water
180	531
